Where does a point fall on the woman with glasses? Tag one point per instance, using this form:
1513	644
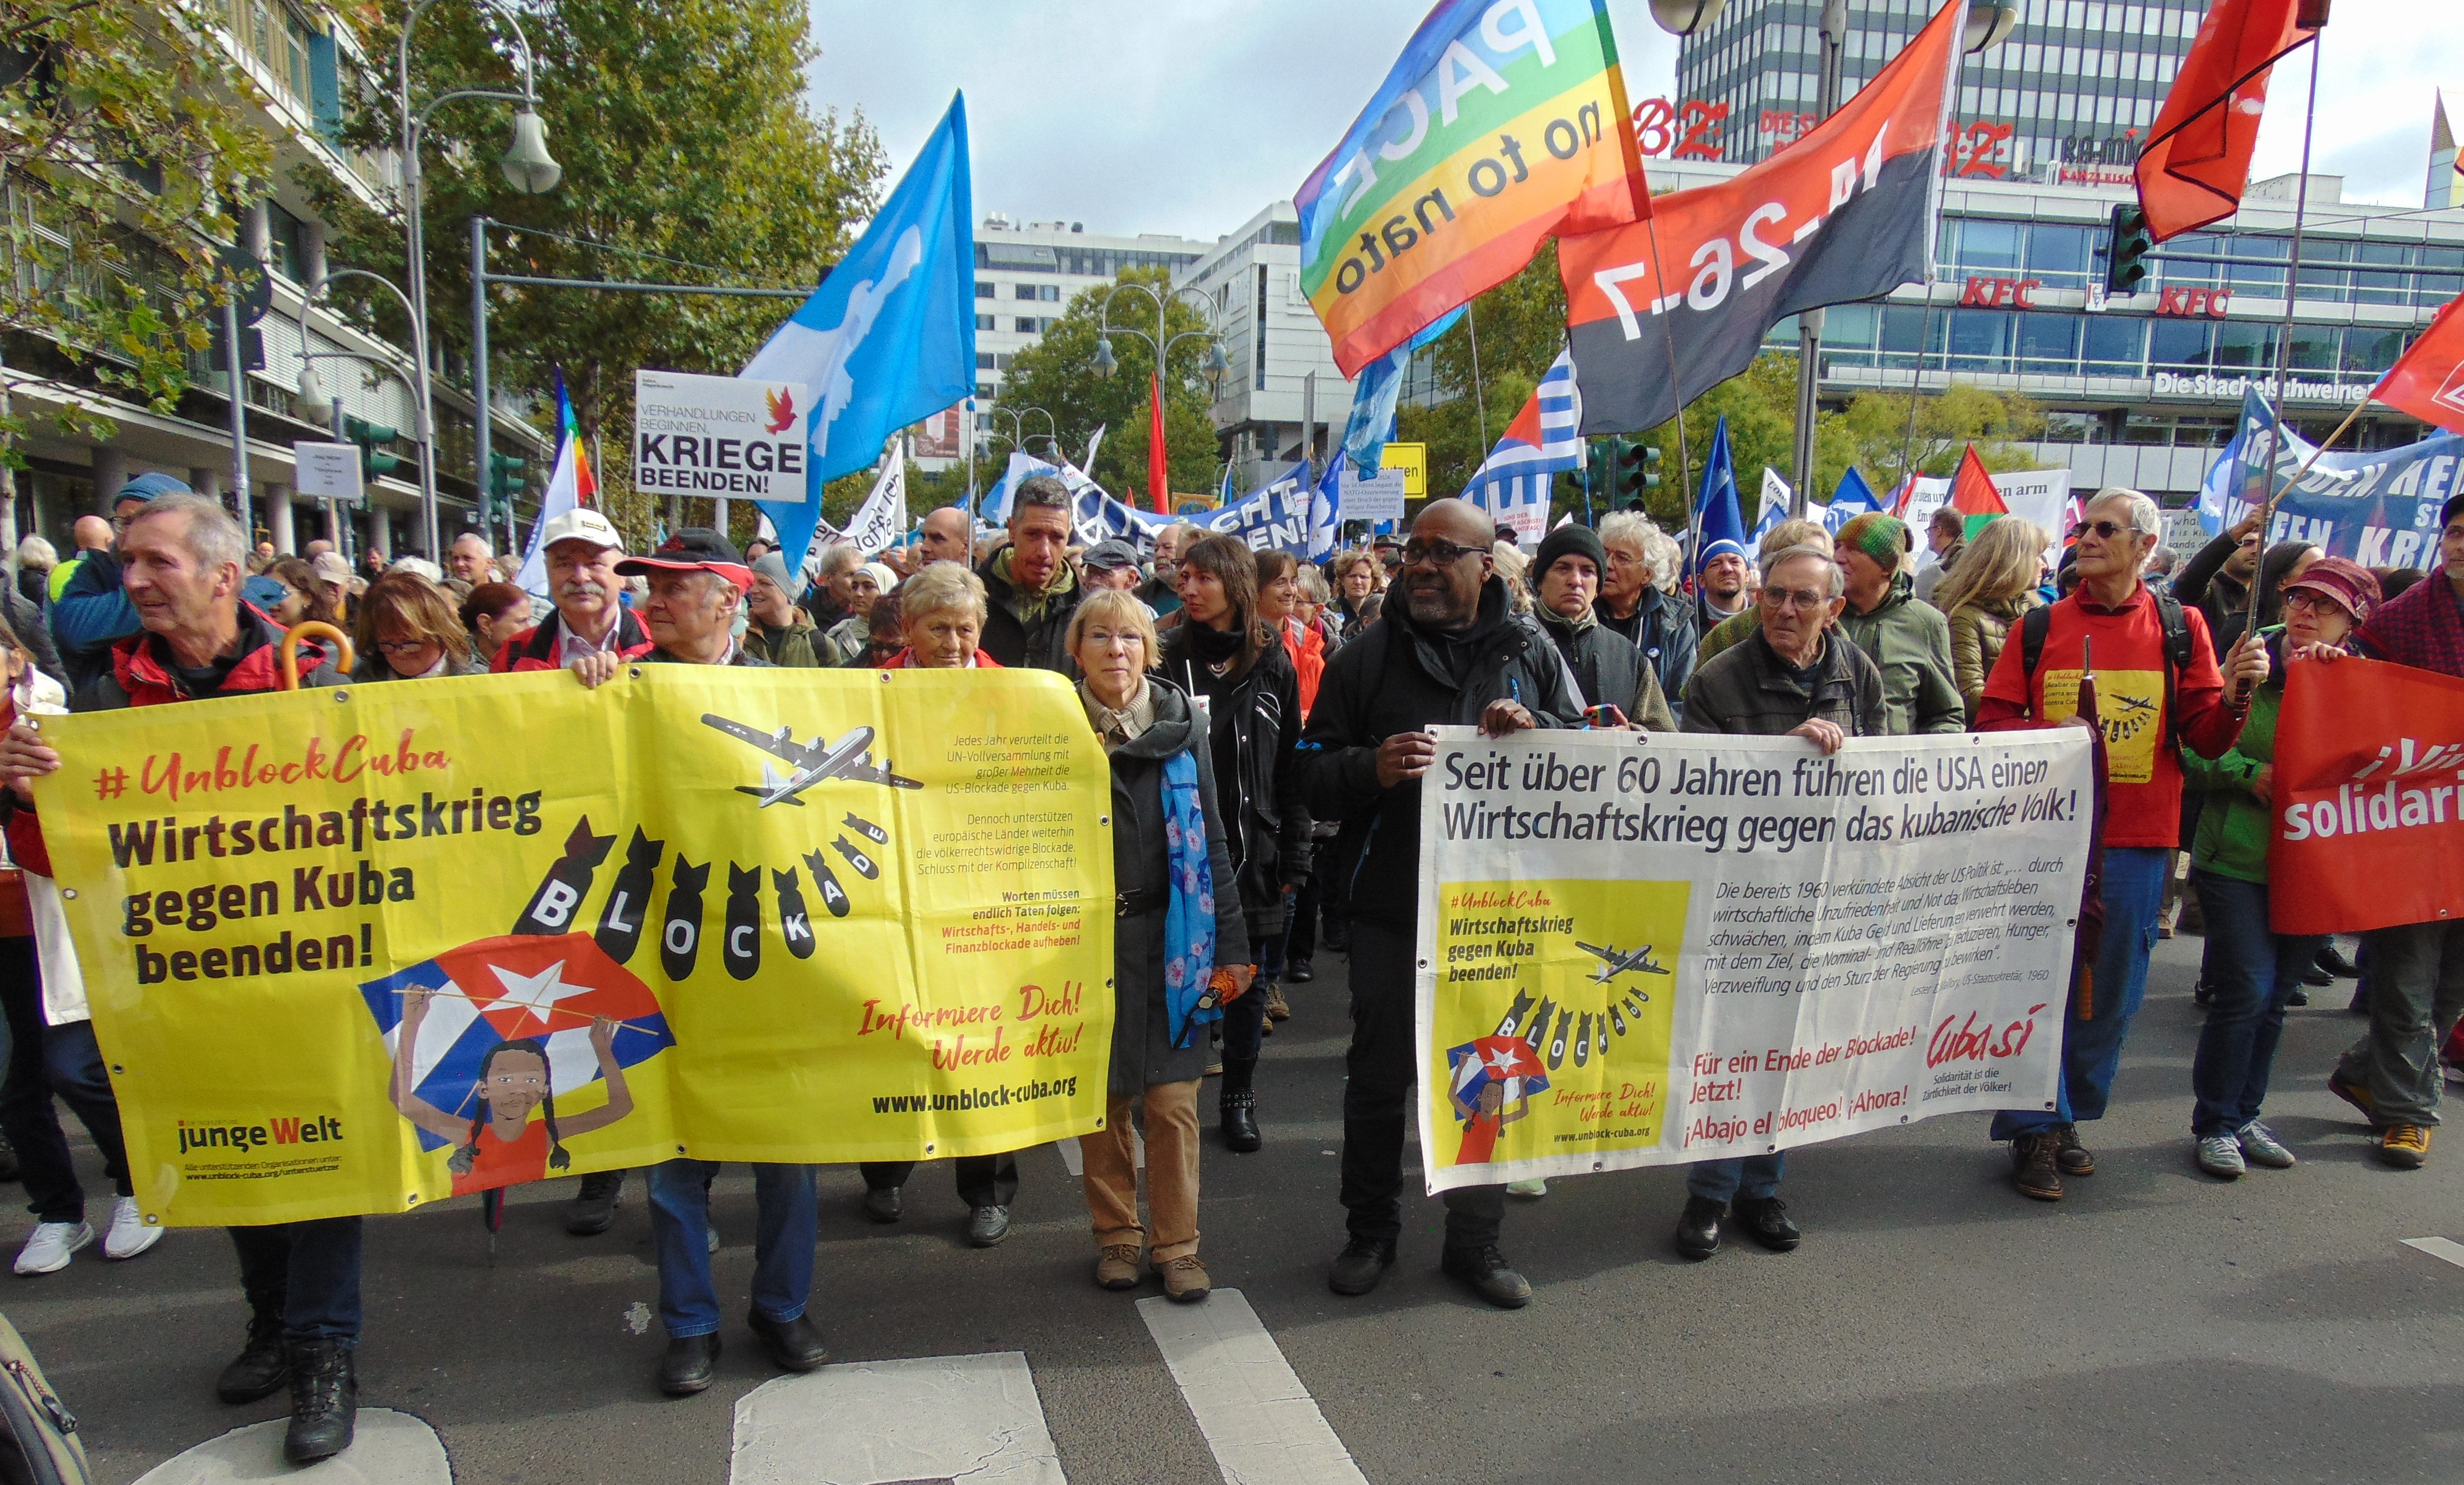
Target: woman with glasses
1179	949
408	630
2253	972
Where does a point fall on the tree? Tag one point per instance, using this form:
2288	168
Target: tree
687	145
126	138
1503	346
1058	374
1876	428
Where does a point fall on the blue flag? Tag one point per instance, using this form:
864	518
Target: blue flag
1375	395
1723	520
890	337
1850	498
1326	510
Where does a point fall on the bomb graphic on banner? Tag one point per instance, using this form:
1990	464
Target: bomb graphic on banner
629	901
740	951
680	937
551	908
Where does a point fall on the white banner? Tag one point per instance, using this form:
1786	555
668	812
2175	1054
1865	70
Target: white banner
1643	950
1379	497
880	518
724	437
2037	495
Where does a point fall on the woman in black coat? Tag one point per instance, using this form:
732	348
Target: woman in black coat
1171	892
1224	651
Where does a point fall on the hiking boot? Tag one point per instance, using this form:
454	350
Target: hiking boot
1698	1227
2068	1155
2260	1146
1116	1267
1765	1219
1278	1009
2032	1166
594	1207
324	1402
2405	1147
1358	1268
1184	1279
1486	1273
262	1365
2354	1094
2220	1156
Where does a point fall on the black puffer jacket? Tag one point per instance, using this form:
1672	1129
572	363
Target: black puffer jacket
1142	1049
1040	643
1255	730
1396	677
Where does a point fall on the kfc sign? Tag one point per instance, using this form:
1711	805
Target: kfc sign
2194	303
2001	293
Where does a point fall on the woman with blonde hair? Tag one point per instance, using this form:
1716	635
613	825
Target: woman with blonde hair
1993	585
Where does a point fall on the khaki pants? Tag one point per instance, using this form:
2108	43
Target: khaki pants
1172	1172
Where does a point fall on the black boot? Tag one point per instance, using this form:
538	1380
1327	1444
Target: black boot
324	1402
1238	1108
7	1160
594	1207
261	1368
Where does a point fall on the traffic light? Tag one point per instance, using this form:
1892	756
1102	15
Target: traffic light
375	462
505	485
1633	472
2125	259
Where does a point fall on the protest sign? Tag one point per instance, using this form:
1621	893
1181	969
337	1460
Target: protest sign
2377	506
1377	497
1275	517
2368	813
2034	495
355	950
1639	950
718	436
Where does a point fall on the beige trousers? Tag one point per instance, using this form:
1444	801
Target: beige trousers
1172	1173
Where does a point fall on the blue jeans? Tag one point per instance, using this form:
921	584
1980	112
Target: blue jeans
2252	976
2133	895
308	1273
786	1204
1754	1177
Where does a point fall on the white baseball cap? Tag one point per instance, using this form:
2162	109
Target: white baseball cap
584	524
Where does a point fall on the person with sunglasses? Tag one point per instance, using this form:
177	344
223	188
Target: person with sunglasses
1449	648
2159	690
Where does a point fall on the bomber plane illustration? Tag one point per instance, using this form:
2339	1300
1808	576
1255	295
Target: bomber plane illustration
850	759
1615	961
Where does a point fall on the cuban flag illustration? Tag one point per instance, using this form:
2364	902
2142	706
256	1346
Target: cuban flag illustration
1513	485
506	989
1507	1060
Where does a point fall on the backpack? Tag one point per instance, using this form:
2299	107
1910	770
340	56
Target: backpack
2038	622
38	1442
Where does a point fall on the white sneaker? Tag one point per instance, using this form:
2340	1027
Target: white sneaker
2220	1156
128	1235
713	1238
1534	1189
48	1250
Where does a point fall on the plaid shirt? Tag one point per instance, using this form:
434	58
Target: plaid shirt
2423	627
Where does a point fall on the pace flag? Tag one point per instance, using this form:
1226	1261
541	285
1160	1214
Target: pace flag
1502	125
2198	151
890	337
1513	484
569	485
1721	520
1847	212
2428	381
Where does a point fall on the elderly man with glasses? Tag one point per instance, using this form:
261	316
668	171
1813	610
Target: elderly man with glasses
1449	648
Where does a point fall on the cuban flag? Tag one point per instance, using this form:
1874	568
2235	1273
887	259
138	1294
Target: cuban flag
1506	1060
1513	484
507	988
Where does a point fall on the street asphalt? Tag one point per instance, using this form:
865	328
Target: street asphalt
2157	1325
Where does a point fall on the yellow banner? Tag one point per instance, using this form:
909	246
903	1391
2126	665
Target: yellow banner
354	950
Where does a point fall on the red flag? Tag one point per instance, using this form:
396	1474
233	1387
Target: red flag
1159	468
2428	381
1972	489
2198	152
2362	819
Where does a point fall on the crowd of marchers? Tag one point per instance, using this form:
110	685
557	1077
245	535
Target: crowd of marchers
1267	724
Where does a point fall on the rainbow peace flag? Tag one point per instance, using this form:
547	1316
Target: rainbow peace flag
1502	123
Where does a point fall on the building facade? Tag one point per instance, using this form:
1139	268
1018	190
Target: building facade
1283	378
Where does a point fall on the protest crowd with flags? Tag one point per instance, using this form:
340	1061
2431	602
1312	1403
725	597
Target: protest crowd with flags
1298	656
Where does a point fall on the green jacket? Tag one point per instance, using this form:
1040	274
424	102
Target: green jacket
793	646
1911	641
2233	826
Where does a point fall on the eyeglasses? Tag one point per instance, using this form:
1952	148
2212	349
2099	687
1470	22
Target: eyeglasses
403	646
1104	639
2316	603
1437	552
2107	529
1784	599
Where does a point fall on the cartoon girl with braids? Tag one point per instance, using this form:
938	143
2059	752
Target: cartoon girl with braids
500	1145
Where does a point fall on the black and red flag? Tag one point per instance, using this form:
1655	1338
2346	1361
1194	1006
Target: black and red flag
2198	151
1847	212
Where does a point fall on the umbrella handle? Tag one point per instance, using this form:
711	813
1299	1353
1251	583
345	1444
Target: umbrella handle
316	628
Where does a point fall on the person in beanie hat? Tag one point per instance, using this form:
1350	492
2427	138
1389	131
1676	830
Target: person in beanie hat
1909	640
780	631
1607	669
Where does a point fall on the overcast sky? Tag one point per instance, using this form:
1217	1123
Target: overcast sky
1190	116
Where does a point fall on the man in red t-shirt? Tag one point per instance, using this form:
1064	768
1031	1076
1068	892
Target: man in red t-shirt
2146	723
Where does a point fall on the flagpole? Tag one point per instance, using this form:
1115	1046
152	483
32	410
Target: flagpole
1916	385
2284	337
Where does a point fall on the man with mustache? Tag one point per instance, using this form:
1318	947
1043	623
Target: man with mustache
582	549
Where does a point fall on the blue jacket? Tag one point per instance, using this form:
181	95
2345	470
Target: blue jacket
92	613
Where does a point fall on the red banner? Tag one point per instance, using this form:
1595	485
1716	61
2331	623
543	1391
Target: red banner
2198	154
2429	381
2368	797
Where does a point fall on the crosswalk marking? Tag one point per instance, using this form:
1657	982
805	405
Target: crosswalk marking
1262	1424
2439	1248
974	1418
388	1449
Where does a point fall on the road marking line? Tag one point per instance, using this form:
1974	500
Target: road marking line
388	1449
2439	1248
1262	1424
976	1418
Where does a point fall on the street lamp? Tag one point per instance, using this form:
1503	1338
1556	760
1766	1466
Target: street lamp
1160	343
1684	17
1990	23
527	166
